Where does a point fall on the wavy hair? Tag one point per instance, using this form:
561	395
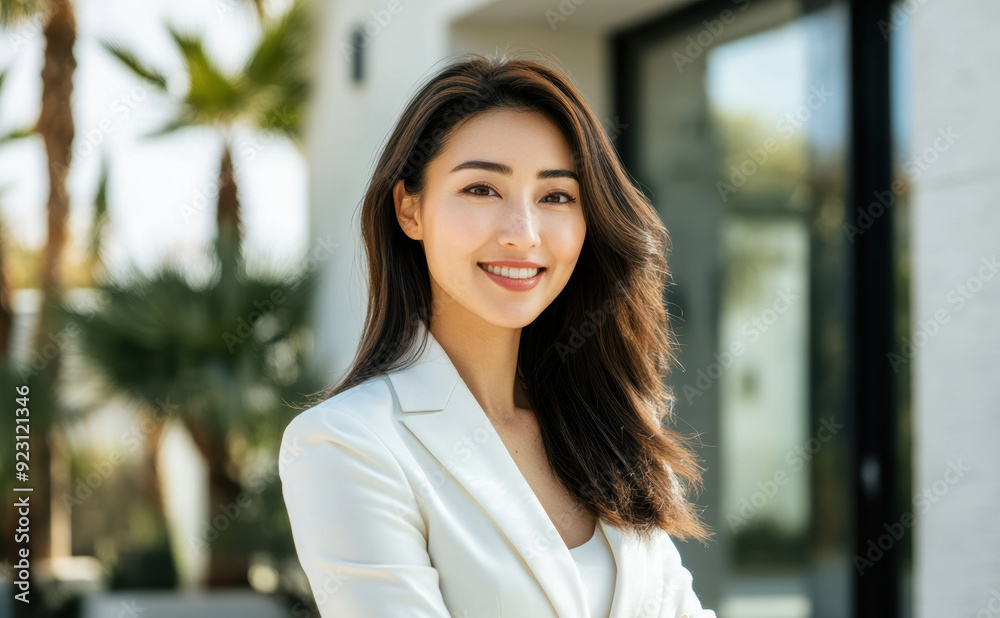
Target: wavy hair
595	359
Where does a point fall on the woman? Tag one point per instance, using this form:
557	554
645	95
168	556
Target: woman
496	448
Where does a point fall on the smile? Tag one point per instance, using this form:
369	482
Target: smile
512	273
515	279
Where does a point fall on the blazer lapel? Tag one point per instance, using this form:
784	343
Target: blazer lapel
637	592
442	413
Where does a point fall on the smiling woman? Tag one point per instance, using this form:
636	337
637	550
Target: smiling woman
468	464
479	221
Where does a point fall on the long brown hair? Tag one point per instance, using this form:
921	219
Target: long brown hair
594	361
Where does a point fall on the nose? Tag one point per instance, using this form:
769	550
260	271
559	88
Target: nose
519	225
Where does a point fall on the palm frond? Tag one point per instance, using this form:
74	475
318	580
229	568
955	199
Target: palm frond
224	353
283	47
259	8
175	124
137	66
16	12
18	133
212	95
100	219
279	70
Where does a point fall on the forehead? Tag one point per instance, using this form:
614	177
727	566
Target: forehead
521	139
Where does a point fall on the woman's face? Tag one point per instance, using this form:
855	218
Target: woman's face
502	190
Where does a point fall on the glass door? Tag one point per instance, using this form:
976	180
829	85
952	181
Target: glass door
736	118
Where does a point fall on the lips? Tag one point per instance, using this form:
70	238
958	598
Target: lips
523	279
511	272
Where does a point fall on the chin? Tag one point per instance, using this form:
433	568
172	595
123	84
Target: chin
512	320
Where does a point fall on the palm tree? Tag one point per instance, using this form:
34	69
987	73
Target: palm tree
8	376
223	359
269	94
55	126
6	312
161	338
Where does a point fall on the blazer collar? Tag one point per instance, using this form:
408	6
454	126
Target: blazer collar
442	413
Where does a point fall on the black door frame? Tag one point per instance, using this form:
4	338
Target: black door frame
873	414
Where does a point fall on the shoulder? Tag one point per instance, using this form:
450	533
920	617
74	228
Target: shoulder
368	403
678	582
355	417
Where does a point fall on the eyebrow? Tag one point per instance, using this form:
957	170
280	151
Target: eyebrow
501	168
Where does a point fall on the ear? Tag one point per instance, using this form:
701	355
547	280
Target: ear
407	211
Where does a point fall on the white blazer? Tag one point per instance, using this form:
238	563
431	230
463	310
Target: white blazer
404	502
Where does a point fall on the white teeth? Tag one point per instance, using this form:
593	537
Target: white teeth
512	273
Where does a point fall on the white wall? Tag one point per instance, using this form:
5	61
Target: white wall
581	50
348	123
956	371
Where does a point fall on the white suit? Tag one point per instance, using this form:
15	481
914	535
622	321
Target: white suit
405	503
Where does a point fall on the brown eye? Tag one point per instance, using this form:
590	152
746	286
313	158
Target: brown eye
569	198
473	188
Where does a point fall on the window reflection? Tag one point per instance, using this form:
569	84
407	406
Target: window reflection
741	148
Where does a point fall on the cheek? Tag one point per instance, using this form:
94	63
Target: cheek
565	238
453	232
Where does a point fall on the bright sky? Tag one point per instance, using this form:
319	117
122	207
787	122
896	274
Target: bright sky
151	179
771	74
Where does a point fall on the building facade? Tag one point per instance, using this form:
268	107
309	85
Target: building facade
824	169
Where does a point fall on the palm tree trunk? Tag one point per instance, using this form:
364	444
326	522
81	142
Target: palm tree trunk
55	125
229	561
230	227
155	497
6	310
152	468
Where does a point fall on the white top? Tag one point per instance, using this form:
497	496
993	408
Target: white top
597	568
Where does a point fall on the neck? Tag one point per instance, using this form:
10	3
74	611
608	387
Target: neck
485	356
